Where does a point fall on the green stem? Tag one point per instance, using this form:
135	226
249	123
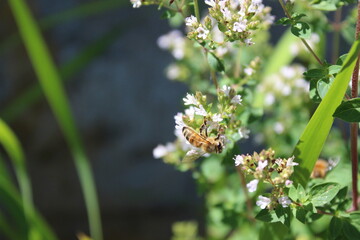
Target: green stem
303	40
196	10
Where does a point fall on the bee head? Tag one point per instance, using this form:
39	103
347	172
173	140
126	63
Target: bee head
219	147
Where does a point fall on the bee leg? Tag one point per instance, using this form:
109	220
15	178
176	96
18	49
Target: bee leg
203	129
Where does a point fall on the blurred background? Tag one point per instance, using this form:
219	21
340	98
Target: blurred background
123	106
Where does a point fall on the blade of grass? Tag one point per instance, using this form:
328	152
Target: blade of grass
81	11
34	93
313	138
50	81
13	149
12	202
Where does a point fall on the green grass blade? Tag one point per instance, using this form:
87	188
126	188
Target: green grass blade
311	142
51	84
14	150
80	61
8	229
81	11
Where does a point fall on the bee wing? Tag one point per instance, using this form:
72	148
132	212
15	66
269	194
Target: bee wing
192	155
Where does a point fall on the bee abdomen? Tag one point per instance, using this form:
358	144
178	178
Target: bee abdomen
192	137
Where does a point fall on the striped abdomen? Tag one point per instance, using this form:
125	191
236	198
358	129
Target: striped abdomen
197	140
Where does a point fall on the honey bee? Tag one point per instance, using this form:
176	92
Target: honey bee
202	142
320	169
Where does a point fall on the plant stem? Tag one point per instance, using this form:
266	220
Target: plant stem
303	40
249	206
196	10
354	126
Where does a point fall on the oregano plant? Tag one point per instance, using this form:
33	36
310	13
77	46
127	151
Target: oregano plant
283	99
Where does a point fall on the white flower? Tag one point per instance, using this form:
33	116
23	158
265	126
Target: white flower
191	21
202	32
238	160
179	121
217	117
253	8
284	201
262	165
173	71
286	90
236	99
288	72
269	99
173	41
288	182
279	127
190	100
244	132
226	90
249	71
279	161
200	111
190	112
240	26
162	150
226	12
263	202
290	162
136	3
210	3
222	4
248	41
252	185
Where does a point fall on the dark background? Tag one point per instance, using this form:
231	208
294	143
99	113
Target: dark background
123	106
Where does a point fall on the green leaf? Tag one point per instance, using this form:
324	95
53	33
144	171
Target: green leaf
302	196
49	78
335	227
301	30
300	214
349	110
297	16
215	63
350	231
316	73
323	86
222	27
284	21
276	231
293	193
167	14
355	218
330	5
323	193
266	215
310	144
334	69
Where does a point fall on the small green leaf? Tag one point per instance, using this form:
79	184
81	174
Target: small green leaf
355	218
300	214
341	59
284	21
283	215
334	69
301	30
215	63
323	87
266	215
350	231
315	73
293	193
313	93
349	111
323	193
335	227
222	27
298	16
167	14
302	196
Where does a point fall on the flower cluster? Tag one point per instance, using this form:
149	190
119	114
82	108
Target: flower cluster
237	20
265	167
217	116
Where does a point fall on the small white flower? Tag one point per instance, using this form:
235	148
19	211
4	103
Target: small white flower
253	8
263	202
291	163
279	127
136	3
190	112
248	41
226	12
262	165
191	21
173	71
288	182
217	117
179	121
236	99
240	26
288	72
190	100
286	90
284	201
249	71
210	3
279	161
222	4
226	90
200	111
244	132
162	150
269	99
202	32
238	160
252	185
